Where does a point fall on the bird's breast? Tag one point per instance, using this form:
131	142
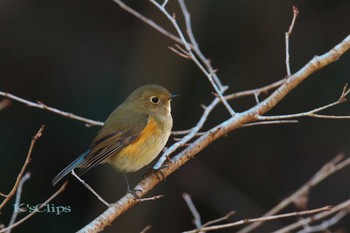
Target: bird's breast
145	147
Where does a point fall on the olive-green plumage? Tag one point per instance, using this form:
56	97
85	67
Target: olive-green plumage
133	134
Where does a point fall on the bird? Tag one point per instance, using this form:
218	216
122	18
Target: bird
132	136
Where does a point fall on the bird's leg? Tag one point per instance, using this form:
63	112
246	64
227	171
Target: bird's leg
133	192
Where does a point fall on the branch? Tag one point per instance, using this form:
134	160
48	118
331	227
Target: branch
312	113
60	190
19	177
262	219
18	199
327	223
148	21
336	164
239	119
287	35
342	206
197	217
40	105
90	189
194	43
191	56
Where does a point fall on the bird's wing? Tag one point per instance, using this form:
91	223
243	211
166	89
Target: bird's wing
110	141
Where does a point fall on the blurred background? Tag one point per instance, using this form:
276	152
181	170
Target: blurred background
85	57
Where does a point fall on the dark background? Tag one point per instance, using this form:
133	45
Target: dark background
86	56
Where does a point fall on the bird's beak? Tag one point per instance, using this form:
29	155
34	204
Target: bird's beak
174	96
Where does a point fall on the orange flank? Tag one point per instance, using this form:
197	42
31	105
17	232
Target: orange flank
137	146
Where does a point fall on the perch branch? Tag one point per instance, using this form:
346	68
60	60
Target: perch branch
248	116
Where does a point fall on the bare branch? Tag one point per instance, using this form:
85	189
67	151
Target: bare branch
226	217
19	177
148	21
270	123
197	217
207	73
287	35
314	218
60	190
328	169
257	90
18	199
194	43
150	180
51	109
262	219
313	112
150	198
90	189
147	228
327	223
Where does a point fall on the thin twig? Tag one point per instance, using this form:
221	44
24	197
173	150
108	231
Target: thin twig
19	177
327	223
312	113
314	218
224	218
90	189
328	169
270	123
60	190
257	90
18	199
262	219
148	21
150	198
147	228
207	73
197	217
195	46
287	35
40	105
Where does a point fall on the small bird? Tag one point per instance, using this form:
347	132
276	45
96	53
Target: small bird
133	134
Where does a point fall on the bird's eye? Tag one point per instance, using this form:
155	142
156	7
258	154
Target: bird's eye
154	99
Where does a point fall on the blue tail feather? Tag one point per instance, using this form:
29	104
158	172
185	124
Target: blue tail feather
69	168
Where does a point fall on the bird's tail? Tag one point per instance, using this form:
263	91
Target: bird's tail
69	168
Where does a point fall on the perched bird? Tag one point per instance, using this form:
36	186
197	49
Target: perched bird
132	136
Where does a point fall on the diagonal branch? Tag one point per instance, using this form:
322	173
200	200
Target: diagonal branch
312	113
328	169
151	180
19	177
190	54
148	21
